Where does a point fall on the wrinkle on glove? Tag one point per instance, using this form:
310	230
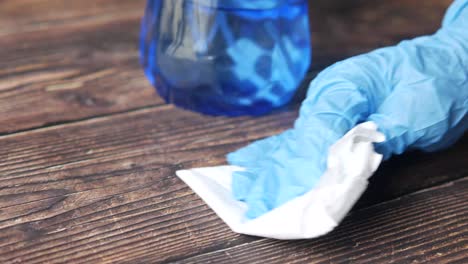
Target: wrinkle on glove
416	93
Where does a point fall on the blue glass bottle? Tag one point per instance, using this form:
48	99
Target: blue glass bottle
226	57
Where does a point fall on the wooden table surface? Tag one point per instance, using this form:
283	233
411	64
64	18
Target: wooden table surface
89	151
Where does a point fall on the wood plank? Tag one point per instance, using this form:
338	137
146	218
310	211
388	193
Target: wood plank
344	28
105	188
430	226
64	61
86	189
69	74
401	174
33	15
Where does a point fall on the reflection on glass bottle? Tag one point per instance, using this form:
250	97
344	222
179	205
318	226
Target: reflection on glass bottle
226	57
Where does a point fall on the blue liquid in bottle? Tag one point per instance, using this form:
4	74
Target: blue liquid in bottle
226	57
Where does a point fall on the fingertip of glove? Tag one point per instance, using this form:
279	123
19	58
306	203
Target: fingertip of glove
241	182
256	209
232	158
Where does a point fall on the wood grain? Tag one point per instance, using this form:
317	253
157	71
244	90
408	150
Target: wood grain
70	74
64	61
348	27
104	189
154	135
401	174
118	190
429	226
39	15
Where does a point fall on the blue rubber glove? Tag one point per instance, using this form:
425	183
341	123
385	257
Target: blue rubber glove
416	93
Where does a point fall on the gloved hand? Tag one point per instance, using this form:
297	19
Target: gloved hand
416	93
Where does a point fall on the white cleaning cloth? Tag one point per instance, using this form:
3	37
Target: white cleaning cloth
351	161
